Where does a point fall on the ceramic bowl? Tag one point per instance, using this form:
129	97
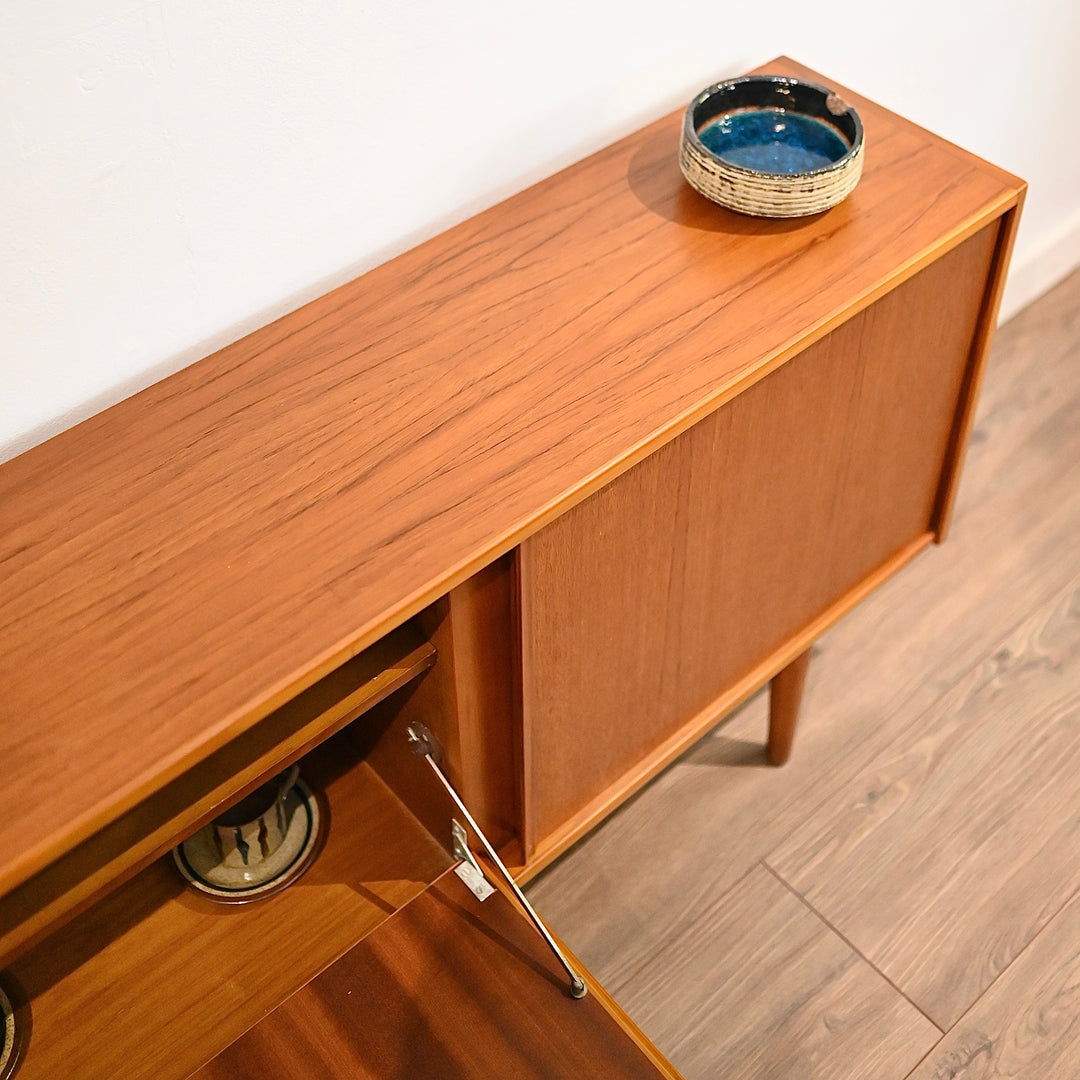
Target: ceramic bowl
14	1031
772	146
207	859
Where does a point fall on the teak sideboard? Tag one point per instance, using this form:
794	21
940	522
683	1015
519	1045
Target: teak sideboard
565	483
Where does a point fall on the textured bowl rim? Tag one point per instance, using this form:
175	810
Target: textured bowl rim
690	131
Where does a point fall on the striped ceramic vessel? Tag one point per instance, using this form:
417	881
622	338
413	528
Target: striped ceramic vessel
772	146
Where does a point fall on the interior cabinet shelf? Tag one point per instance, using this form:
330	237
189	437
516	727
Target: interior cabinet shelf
179	976
185	804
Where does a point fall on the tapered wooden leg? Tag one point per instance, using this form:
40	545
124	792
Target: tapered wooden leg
785	694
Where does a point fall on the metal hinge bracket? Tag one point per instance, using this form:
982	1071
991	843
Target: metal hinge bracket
469	869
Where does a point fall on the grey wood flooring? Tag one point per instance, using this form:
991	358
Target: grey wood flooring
903	898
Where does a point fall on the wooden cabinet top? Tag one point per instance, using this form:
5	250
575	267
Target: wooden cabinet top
179	565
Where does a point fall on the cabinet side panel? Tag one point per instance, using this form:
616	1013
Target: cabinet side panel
470	701
650	599
488	699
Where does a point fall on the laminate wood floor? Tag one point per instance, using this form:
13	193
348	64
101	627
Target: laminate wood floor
903	898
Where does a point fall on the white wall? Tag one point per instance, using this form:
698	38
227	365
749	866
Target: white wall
174	173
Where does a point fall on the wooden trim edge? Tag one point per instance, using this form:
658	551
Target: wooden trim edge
976	369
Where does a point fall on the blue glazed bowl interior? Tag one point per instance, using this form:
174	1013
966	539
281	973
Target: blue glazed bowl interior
774	141
774	125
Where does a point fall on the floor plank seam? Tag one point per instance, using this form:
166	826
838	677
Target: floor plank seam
997	978
919	1064
857	951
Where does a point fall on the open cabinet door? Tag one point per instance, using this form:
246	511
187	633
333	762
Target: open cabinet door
449	987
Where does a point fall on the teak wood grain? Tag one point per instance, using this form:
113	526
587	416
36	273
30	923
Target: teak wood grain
739	534
609	798
155	980
493	1004
180	565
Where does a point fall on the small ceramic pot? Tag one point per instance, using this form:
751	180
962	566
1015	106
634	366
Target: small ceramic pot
252	830
14	1026
772	146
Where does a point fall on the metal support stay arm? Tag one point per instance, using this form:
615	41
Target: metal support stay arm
423	744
